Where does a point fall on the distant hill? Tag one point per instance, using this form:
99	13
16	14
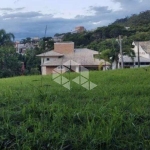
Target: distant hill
134	28
141	19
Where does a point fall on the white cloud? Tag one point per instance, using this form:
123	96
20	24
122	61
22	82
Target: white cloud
99	22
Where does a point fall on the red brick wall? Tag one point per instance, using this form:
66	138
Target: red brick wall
64	48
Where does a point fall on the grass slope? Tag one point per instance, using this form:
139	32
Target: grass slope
37	113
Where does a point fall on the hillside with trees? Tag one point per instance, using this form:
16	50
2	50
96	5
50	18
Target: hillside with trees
136	20
135	27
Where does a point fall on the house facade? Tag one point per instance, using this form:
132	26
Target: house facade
64	52
144	55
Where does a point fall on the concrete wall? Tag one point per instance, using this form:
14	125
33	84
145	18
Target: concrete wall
43	70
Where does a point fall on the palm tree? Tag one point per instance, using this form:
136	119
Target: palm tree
115	53
6	38
127	50
105	55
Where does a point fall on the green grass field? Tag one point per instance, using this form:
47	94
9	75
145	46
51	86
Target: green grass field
37	113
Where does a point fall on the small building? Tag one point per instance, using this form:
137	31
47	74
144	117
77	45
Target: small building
21	48
34	42
64	52
23	45
79	29
127	28
58	38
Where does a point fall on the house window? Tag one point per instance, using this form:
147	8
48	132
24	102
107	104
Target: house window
60	67
47	59
20	50
147	63
143	63
128	64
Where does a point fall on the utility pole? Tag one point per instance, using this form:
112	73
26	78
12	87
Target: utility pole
138	56
45	42
121	53
45	31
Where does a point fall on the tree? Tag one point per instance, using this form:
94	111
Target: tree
45	44
126	47
28	40
110	49
32	62
6	38
106	54
9	62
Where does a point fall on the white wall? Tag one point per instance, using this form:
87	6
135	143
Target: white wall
43	70
136	66
142	53
77	68
44	59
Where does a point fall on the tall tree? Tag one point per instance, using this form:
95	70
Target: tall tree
9	62
6	38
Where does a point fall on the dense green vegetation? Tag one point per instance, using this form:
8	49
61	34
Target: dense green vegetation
37	113
10	65
6	38
14	64
136	20
31	61
139	25
9	59
139	29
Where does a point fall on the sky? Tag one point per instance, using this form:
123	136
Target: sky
29	18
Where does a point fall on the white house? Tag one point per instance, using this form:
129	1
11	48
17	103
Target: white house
144	55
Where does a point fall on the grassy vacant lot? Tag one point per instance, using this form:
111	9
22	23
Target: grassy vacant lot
37	113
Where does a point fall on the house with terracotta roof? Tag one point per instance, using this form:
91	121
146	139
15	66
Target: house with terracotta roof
64	52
